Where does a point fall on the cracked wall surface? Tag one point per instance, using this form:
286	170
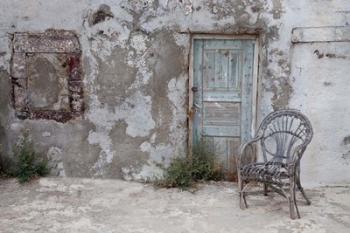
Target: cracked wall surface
134	63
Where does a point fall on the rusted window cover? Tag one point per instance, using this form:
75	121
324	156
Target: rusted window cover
62	43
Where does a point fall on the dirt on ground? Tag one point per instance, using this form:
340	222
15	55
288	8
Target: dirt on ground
90	205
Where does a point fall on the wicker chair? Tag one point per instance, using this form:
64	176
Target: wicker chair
283	136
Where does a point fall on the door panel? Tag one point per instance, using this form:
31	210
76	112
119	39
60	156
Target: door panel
221	119
223	79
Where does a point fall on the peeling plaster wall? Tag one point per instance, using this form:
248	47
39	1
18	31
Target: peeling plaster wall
135	67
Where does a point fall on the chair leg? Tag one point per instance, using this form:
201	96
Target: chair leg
308	202
242	199
266	190
293	207
245	200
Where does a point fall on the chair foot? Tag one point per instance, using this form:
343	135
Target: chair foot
293	209
308	202
301	189
266	190
242	201
245	200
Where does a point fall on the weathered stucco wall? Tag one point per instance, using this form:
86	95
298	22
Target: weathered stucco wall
135	58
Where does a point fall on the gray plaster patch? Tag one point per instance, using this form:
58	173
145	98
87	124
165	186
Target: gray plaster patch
135	111
278	80
47	82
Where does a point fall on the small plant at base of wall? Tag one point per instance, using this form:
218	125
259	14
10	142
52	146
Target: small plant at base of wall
28	165
184	172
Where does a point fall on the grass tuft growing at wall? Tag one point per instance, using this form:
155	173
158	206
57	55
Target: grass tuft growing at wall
28	165
184	172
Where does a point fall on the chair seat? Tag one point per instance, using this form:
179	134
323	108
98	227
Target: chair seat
271	172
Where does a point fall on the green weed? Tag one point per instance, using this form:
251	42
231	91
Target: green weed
27	162
184	172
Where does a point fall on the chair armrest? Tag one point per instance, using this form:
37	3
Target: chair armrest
243	147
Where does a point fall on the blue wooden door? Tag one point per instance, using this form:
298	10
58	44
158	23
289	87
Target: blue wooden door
222	96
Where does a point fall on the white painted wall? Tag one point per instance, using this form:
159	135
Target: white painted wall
322	91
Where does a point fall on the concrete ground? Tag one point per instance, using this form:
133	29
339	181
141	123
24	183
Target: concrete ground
87	205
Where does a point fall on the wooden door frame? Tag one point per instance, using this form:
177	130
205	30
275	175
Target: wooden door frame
190	81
